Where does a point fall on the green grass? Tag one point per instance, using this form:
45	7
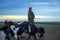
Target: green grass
48	26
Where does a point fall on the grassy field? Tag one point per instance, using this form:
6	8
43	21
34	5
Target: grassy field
52	31
48	26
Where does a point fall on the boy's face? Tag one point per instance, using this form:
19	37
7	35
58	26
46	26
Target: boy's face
30	10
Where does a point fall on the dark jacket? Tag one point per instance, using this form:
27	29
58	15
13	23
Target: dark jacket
31	17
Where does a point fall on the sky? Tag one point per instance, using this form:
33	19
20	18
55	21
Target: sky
44	10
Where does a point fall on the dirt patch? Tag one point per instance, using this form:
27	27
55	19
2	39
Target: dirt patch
53	34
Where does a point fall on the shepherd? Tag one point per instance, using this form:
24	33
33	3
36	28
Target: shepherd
31	16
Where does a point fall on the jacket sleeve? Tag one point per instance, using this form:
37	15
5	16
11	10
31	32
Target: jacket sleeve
33	15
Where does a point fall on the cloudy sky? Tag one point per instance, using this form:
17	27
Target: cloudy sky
44	10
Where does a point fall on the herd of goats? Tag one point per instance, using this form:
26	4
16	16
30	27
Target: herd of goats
15	30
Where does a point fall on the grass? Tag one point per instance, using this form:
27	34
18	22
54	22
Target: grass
48	26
